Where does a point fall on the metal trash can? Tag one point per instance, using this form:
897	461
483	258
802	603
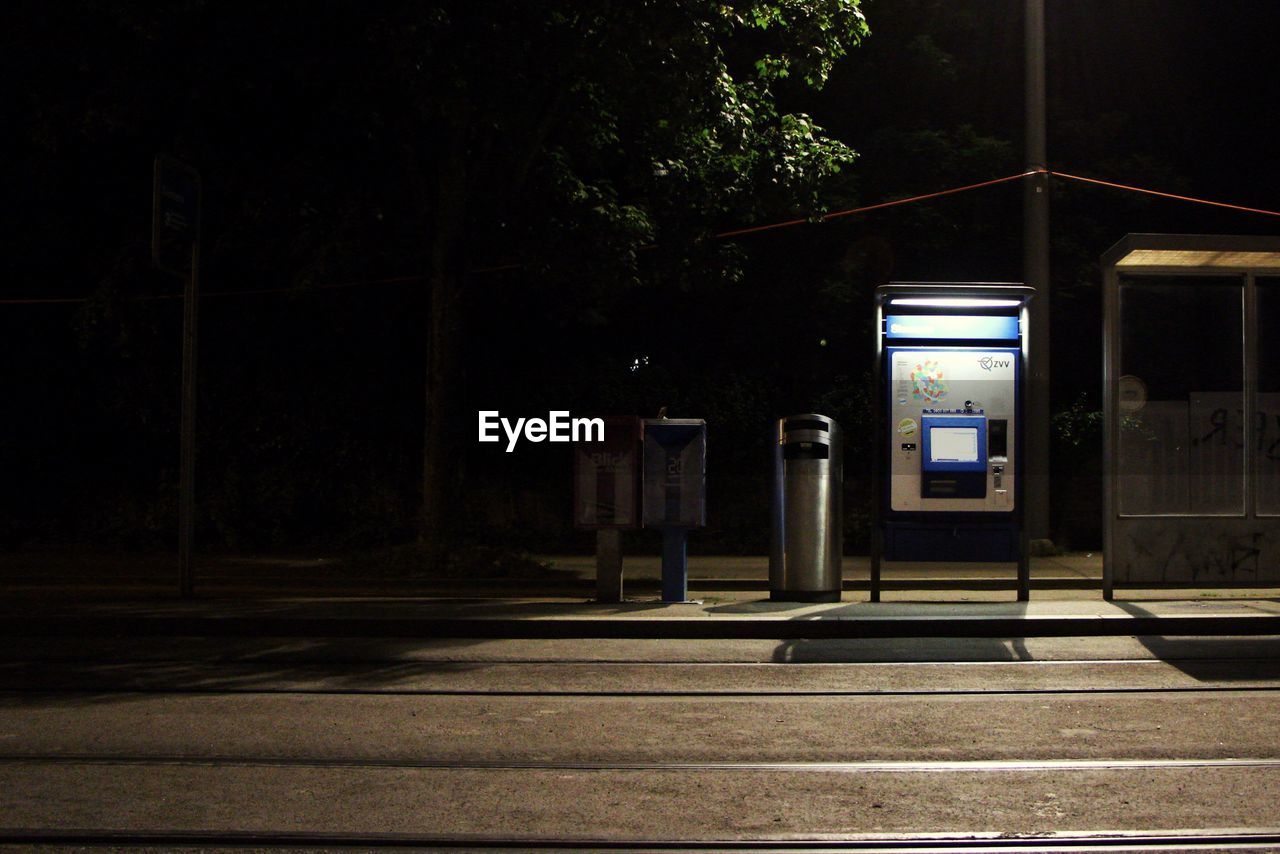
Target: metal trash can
807	510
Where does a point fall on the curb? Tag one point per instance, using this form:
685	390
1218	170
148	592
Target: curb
657	628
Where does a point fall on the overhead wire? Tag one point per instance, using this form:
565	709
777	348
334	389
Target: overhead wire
738	232
1163	195
721	235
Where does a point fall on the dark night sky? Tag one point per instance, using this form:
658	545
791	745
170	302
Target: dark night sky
1181	88
312	400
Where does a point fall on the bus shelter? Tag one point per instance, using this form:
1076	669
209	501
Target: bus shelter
1191	411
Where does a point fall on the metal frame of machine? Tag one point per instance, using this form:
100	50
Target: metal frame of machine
951	356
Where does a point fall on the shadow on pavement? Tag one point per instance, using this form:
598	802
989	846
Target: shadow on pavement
904	650
907	649
758	606
71	573
91	676
1212	659
326	608
877	650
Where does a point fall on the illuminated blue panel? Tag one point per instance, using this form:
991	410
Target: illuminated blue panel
954	443
967	326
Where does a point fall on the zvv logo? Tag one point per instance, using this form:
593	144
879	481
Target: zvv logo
988	362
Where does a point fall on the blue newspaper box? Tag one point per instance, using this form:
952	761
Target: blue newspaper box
674	493
675	473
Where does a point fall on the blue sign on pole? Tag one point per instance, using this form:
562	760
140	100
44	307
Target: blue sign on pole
175	215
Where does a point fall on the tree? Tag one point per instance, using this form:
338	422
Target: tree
567	136
343	142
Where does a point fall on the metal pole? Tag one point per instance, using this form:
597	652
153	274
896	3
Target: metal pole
879	466
1252	434
877	550
1036	274
1110	419
608	565
675	564
1024	568
187	465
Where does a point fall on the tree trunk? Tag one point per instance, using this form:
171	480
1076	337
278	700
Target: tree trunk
439	457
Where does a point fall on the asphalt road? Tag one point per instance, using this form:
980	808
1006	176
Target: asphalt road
321	742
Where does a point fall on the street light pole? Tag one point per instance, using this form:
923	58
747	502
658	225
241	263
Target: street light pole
187	451
1035	265
175	248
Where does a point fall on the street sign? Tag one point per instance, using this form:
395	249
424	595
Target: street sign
175	215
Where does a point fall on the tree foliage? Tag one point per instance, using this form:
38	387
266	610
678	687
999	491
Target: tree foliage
343	142
542	183
570	137
588	130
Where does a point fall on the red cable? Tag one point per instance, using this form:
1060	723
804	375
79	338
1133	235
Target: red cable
1164	195
755	228
737	232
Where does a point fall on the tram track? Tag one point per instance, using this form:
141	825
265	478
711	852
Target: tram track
166	811
993	693
1174	840
959	766
958	748
471	663
642	679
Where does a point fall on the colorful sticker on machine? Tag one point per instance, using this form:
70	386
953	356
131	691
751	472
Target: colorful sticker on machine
927	382
907	427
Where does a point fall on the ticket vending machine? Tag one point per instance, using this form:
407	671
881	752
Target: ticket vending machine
951	367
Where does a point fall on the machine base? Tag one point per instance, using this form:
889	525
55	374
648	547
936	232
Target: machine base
950	541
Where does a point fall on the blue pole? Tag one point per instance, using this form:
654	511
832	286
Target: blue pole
675	565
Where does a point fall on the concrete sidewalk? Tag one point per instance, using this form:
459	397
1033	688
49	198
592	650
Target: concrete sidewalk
720	614
751	572
113	595
119	570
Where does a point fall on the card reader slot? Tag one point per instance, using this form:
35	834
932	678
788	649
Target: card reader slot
998	437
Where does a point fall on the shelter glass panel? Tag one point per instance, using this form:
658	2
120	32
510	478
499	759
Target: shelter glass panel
1267	455
1181	449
